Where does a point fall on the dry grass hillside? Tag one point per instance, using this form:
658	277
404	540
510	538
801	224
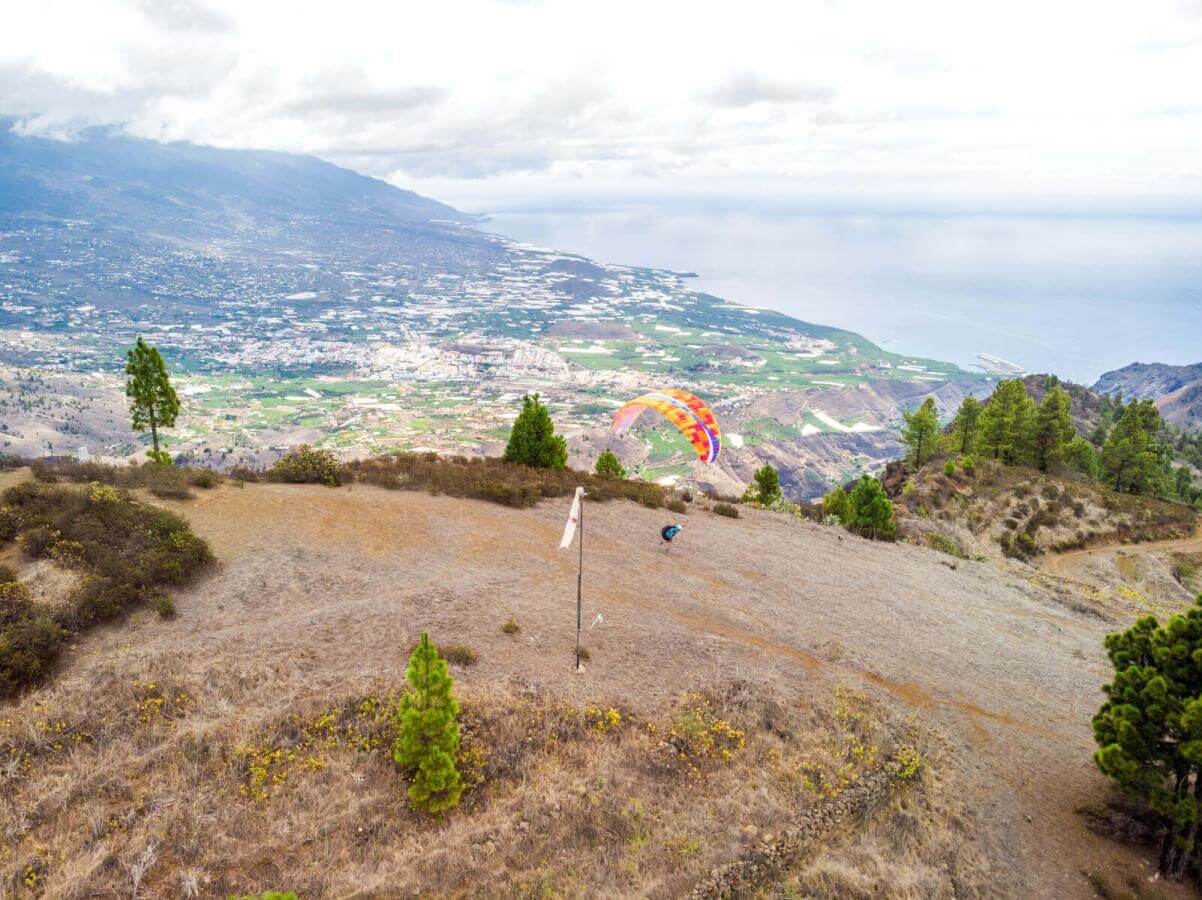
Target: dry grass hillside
1020	513
775	707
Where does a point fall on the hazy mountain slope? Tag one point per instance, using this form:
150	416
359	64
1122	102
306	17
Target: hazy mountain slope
1177	390
186	189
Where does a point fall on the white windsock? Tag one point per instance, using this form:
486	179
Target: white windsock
569	530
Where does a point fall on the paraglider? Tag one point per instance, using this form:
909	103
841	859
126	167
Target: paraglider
686	411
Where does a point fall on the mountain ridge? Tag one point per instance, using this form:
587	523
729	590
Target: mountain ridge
55	177
1176	390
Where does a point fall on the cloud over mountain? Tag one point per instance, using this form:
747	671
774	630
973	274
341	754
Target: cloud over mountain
930	96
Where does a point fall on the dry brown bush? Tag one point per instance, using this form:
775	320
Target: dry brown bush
493	479
166	482
126	553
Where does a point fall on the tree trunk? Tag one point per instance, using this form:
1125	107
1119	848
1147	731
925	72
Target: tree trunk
1173	857
1192	849
154	432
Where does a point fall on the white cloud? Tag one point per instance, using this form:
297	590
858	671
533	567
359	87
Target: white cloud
477	101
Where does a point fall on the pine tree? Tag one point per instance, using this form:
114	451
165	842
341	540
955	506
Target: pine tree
153	402
1053	429
1183	484
1149	730
1080	455
966	425
608	466
871	510
921	432
428	730
1131	460
533	441
1006	422
836	504
767	485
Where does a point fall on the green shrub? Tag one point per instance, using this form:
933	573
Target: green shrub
944	544
159	457
9	523
163	605
969	465
1020	545
949	467
167	482
871	513
836	504
608	466
509	626
37	541
459	655
203	478
16	601
28	647
726	509
306	465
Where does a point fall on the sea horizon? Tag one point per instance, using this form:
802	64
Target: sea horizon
1074	294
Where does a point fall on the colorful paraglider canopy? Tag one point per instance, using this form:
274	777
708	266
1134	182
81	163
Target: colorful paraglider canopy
686	411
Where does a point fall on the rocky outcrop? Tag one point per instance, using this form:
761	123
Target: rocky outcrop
773	857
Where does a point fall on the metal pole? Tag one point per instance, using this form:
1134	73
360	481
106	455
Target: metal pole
580	582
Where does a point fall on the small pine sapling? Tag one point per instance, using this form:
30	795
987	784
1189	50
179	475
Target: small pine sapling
428	730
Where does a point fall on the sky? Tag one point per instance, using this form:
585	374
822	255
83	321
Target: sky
495	103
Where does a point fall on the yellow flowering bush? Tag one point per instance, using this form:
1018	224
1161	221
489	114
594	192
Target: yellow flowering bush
909	762
156	703
603	719
696	739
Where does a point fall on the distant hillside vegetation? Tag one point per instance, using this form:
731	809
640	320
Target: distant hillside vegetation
1020	512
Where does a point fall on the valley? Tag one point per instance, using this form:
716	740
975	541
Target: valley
370	328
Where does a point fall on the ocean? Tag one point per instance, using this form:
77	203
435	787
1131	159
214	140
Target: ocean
1074	294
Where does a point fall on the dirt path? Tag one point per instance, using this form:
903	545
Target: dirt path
1070	563
317	586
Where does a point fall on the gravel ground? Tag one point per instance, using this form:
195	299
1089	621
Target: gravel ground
323	584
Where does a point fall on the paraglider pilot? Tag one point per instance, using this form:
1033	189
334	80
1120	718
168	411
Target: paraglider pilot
666	534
